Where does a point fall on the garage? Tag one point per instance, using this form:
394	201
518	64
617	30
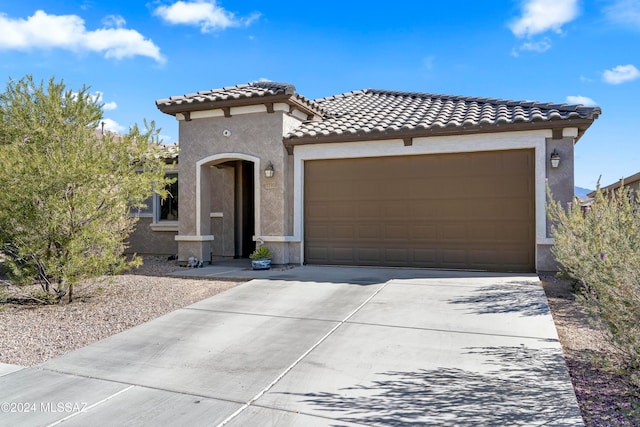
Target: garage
473	210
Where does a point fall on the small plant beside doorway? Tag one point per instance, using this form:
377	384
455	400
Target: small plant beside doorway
261	258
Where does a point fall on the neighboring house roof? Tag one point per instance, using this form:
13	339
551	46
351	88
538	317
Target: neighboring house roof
628	182
380	114
171	152
236	96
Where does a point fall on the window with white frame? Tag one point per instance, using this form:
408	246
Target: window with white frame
164	213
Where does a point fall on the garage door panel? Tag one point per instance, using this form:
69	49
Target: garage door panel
453	232
342	255
454	258
397	232
343	232
468	210
513	188
453	209
425	232
425	257
484	165
335	211
369	231
422	209
369	209
501	209
317	211
399	256
317	253
368	256
485	257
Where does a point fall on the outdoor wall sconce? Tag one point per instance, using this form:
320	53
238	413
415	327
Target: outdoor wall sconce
555	159
268	171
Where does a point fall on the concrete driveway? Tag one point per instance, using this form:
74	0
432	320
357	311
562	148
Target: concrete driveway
318	346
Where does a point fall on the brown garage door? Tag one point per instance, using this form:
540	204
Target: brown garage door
460	211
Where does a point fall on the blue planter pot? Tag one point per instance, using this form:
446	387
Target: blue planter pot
261	264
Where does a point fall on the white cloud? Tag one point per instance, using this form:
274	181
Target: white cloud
111	125
115	21
203	13
621	74
540	16
43	31
540	46
98	97
624	12
108	106
579	99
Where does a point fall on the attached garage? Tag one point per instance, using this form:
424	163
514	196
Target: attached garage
462	211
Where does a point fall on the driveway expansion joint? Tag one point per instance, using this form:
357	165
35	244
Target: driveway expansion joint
88	408
453	331
279	316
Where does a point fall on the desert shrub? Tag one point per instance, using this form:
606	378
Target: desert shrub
599	248
68	191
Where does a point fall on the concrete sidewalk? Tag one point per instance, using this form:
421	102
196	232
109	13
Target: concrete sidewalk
319	346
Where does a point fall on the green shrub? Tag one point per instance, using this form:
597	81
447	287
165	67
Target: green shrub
68	191
261	253
599	248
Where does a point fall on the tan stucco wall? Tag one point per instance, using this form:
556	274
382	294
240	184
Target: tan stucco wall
561	183
145	241
253	136
546	260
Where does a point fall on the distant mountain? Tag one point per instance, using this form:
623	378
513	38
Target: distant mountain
581	192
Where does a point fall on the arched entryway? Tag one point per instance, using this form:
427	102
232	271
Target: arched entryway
229	203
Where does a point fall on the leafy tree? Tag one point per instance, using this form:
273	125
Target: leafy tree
67	189
599	248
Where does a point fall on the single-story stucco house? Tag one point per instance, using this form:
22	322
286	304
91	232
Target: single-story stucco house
369	177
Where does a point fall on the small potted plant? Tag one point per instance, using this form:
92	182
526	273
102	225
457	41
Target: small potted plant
261	258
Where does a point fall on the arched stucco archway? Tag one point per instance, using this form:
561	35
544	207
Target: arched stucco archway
241	191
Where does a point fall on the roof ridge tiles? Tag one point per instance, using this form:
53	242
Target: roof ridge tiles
484	100
340	95
288	88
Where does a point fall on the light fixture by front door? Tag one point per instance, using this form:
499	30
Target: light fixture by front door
555	159
269	171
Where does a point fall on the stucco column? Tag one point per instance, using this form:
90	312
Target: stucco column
561	185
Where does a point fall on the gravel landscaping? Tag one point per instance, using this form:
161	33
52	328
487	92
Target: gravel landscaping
604	397
32	334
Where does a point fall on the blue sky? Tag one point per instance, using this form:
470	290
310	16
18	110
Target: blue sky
132	53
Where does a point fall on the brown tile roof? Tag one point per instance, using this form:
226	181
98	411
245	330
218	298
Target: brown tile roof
380	114
243	94
367	113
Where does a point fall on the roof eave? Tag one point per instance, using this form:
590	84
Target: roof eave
581	124
187	107
627	181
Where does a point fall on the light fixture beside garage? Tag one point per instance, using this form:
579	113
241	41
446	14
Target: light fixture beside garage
555	159
269	171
